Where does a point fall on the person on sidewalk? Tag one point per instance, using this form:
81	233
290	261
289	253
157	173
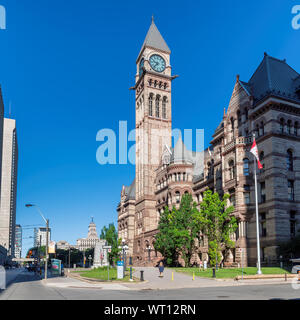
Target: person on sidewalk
161	269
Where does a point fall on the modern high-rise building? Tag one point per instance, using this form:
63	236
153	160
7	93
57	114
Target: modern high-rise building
18	241
40	236
9	171
3	239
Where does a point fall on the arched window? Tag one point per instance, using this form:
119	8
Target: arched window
289	160
164	108
239	117
246	167
289	127
282	125
150	104
231	169
157	106
177	196
232	124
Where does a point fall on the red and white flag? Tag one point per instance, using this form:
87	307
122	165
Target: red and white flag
254	151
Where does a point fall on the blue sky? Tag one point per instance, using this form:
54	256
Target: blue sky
66	67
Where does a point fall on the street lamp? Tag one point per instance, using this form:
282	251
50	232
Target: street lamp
124	248
149	251
29	205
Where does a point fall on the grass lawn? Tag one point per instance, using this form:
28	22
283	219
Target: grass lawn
230	273
101	274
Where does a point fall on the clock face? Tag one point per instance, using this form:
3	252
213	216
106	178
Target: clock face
157	63
166	159
141	66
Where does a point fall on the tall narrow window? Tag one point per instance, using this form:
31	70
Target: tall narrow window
157	106
282	125
231	169
296	128
177	196
246	113
291	195
164	108
239	117
263	192
246	167
293	223
263	225
289	127
232	197
150	105
289	160
262	129
247	194
232	124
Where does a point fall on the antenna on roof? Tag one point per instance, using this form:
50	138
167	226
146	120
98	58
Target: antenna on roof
9	110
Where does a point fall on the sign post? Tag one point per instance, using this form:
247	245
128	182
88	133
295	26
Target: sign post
108	248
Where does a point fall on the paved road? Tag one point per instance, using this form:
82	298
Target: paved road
28	287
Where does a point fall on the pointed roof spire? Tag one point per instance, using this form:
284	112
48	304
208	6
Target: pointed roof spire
154	39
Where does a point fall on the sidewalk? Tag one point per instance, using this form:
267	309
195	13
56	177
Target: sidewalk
66	282
181	280
154	282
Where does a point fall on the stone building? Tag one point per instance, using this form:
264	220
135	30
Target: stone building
268	104
91	240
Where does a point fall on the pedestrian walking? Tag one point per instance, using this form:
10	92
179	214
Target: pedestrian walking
161	269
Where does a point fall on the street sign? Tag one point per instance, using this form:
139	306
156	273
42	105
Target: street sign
109	250
106	247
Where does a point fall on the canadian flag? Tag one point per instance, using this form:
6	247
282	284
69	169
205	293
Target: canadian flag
254	151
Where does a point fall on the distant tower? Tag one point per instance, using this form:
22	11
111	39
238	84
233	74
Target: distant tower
92	234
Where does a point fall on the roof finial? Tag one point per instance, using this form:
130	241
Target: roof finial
92	219
152	19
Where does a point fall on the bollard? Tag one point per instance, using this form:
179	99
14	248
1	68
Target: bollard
193	275
214	272
285	277
142	275
130	274
172	276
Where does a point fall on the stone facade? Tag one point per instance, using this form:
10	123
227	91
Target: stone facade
91	240
268	105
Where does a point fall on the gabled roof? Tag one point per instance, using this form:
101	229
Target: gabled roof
154	39
273	77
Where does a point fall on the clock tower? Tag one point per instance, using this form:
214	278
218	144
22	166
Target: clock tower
153	128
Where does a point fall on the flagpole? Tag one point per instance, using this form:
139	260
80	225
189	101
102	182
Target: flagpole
257	221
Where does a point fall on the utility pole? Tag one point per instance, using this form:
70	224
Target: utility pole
46	259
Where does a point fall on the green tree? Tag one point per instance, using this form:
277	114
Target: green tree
110	234
217	223
177	232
